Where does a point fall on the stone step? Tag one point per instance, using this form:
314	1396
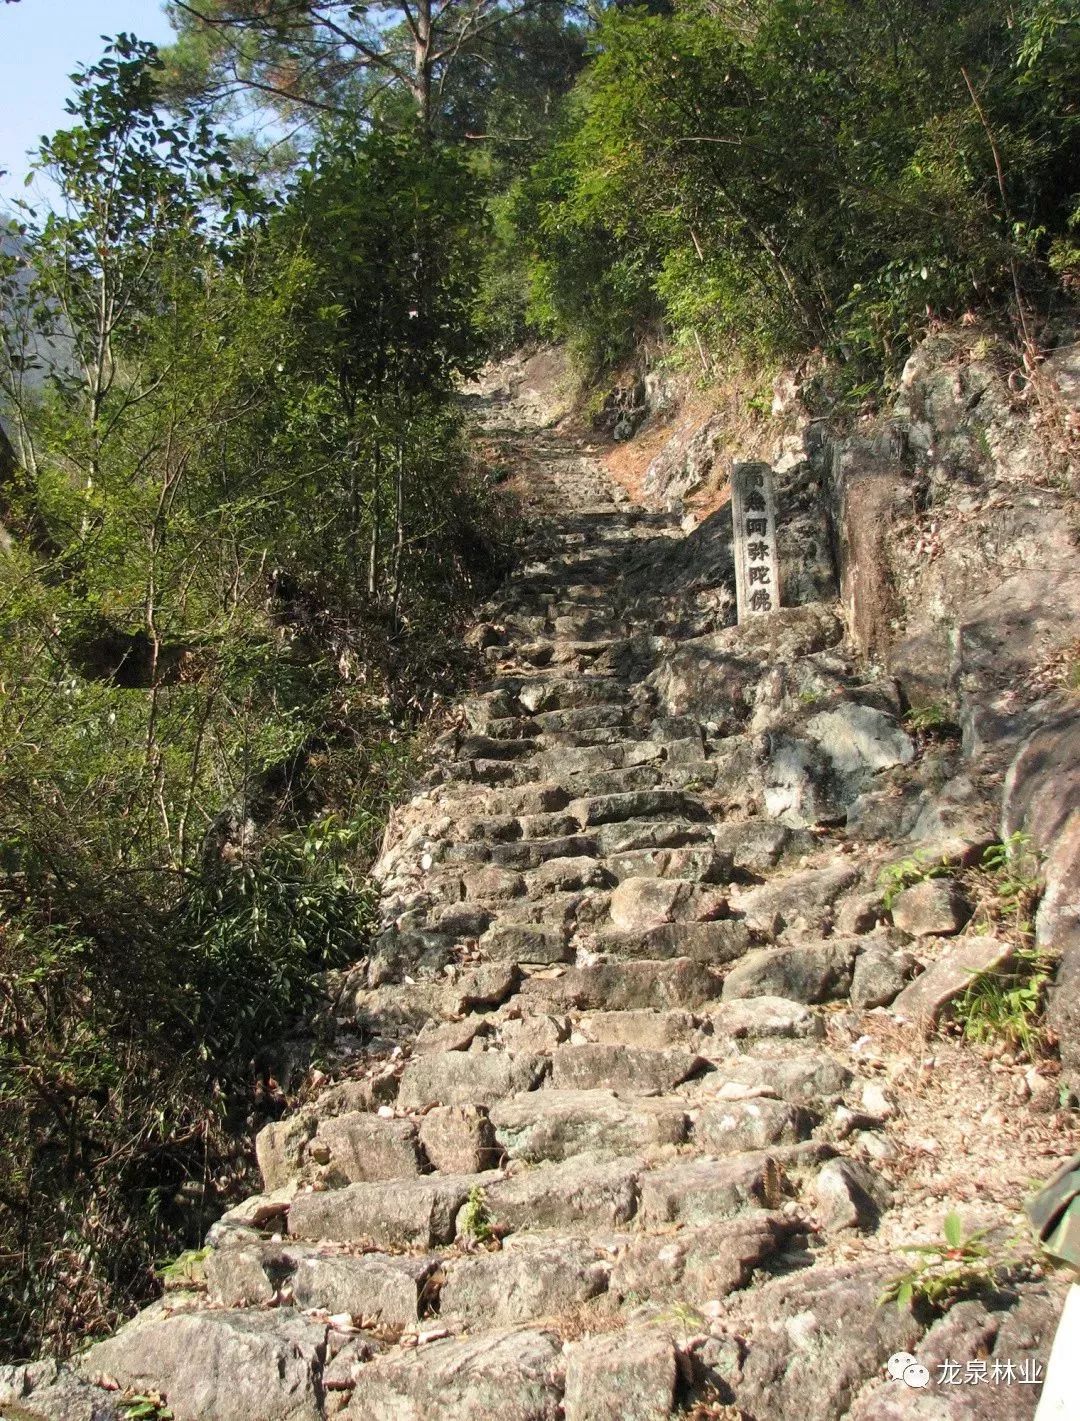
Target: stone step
715	943
556	1125
619	986
378	1290
638	1070
408	1213
521	853
468	1078
585	1081
698	862
526	943
636	804
565	763
535	1279
557	909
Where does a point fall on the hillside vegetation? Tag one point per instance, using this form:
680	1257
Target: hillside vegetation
242	517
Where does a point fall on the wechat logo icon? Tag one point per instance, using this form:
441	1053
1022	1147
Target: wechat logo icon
903	1367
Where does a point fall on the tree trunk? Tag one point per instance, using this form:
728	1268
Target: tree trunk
399	526
376	516
423	48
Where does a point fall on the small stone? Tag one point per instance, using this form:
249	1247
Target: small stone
459	1139
875	1101
935	907
880	975
849	1195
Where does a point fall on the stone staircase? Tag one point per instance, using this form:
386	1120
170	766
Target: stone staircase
596	1143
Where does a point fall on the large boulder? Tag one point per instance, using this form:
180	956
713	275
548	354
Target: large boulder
817	765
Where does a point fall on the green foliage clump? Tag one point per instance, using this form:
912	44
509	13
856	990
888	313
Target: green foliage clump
476	1217
799	174
1005	1005
958	1267
239	529
895	877
930	719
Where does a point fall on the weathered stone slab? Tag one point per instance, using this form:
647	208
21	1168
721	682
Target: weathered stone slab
220	1366
393	1214
557	1124
623	986
760	1016
702	1191
377	1288
800	1079
655	1029
569	874
636	1069
280	1149
636	835
715	943
697	863
924	1000
492	885
639	804
355	1148
632	1376
458	1139
247	1275
935	907
515	1375
803	898
810	972
525	942
697	1264
467	1078
570	1195
881	974
846	1336
732	1126
520	1285
640	904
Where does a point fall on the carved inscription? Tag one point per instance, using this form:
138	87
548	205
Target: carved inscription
753	508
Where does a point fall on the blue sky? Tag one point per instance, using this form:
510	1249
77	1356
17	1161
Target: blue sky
41	43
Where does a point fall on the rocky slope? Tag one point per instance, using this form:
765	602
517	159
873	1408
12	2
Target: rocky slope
633	1111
